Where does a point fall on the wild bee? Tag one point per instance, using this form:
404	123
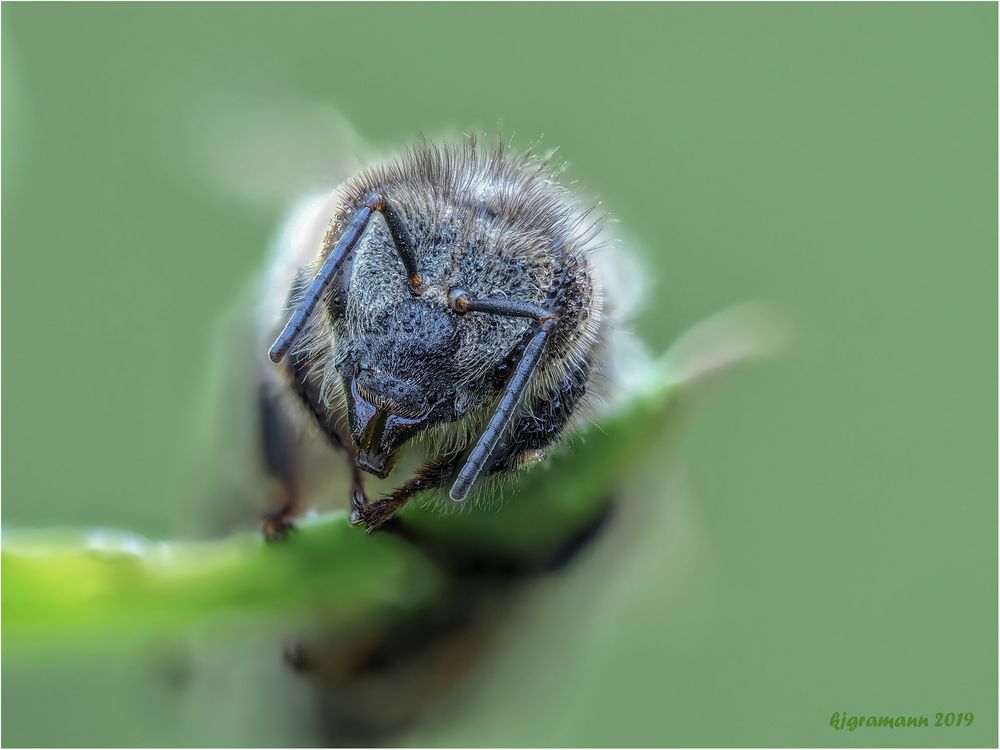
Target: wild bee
455	301
454	311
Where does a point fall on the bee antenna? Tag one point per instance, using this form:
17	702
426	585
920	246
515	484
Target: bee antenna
481	453
344	248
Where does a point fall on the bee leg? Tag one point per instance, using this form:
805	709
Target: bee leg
279	460
308	391
430	476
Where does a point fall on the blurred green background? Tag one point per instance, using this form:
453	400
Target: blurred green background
816	534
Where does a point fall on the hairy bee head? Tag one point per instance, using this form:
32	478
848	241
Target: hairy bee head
398	345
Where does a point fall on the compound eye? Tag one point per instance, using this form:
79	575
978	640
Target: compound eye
458	300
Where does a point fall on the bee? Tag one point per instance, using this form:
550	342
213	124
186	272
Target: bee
453	302
445	319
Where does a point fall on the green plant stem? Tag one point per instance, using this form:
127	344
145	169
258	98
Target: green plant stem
110	585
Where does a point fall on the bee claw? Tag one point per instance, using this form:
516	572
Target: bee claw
371	515
276	527
358	503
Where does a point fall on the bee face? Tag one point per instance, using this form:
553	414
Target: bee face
411	362
400	377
